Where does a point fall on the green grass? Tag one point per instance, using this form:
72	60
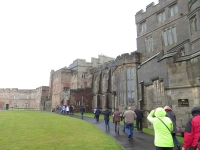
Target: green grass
145	130
35	130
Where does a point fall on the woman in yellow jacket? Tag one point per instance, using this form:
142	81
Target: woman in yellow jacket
162	128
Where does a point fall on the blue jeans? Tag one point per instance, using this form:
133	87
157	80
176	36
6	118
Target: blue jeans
175	139
129	129
107	124
164	148
63	112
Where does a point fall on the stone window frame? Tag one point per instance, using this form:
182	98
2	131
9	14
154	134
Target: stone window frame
83	76
143	26
16	97
130	85
161	16
78	103
167	33
193	19
26	105
173	10
15	105
122	83
149	43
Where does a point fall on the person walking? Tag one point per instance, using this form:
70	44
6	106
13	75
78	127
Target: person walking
95	111
73	108
57	108
162	129
116	119
82	110
192	131
172	116
106	119
129	117
97	114
139	119
122	118
67	109
63	109
70	109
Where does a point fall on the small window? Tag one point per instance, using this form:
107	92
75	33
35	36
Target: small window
169	36
78	103
161	16
173	10
16	97
143	26
193	25
149	44
26	105
15	105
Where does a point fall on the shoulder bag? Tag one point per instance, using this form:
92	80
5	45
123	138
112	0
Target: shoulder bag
165	125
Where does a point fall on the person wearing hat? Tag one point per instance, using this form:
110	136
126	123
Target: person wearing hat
172	116
162	128
192	131
129	117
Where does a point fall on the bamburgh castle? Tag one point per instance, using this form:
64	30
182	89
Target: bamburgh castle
164	70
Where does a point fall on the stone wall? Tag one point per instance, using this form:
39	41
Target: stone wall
169	69
23	98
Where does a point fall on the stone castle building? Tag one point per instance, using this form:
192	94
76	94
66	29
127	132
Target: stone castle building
164	70
72	85
168	41
33	99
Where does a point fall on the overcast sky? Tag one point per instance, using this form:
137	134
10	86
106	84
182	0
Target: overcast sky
37	36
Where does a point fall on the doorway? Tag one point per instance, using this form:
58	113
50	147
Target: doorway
7	106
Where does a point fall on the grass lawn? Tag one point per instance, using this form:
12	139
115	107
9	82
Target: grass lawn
36	130
145	130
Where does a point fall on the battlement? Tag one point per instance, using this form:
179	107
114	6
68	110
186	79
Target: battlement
150	5
8	89
126	58
151	9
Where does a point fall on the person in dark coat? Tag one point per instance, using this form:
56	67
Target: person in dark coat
116	119
122	117
192	131
70	109
106	119
82	110
139	119
97	114
172	116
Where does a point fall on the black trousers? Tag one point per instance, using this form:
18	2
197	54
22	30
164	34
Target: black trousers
139	124
97	117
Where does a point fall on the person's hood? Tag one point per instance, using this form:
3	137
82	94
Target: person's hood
195	111
160	112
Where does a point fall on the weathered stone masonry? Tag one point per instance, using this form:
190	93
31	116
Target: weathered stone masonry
165	69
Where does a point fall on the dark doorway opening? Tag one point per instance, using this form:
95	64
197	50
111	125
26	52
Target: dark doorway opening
7	106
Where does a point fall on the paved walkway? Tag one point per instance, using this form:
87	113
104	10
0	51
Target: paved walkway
140	141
